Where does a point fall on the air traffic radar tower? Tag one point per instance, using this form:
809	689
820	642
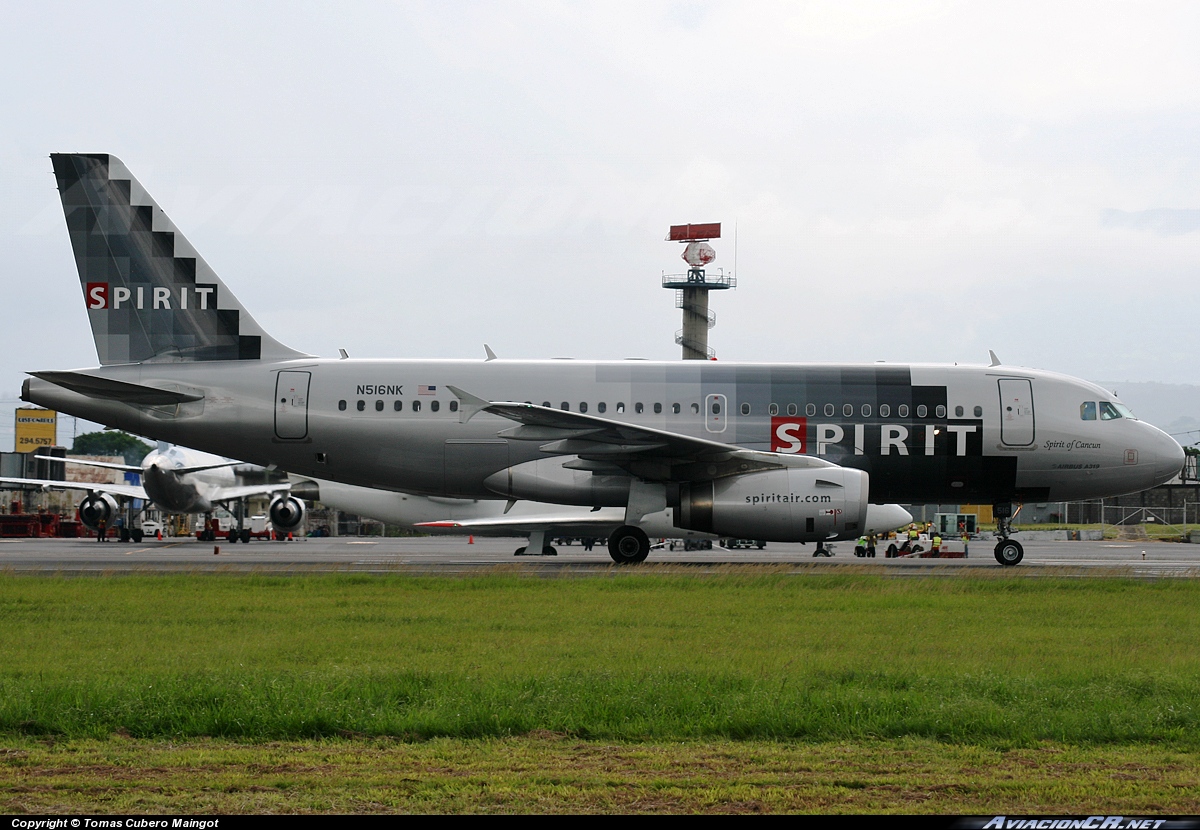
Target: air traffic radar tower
691	289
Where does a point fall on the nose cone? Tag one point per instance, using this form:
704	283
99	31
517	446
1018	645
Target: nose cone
883	517
1169	457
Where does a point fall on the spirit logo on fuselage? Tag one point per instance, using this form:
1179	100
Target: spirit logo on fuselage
796	436
201	296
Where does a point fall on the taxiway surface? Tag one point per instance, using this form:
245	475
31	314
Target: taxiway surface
454	555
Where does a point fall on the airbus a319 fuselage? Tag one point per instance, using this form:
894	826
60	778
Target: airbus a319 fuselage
925	434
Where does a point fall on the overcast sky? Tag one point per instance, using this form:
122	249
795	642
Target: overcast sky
910	181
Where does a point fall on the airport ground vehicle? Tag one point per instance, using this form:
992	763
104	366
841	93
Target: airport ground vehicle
225	527
780	452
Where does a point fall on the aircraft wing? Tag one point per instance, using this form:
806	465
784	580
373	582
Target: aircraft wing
578	524
132	491
605	445
221	494
105	465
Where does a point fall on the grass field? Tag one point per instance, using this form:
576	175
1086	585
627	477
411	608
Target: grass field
995	664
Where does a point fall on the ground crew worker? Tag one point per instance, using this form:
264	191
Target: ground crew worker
937	545
102	531
871	546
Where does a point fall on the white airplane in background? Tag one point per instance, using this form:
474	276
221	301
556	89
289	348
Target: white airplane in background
176	480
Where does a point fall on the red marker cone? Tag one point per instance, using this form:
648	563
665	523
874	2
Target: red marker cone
471	539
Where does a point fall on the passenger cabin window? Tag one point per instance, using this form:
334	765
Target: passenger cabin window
847	409
362	405
810	410
958	412
866	410
398	405
638	408
341	406
745	409
902	411
416	406
1108	412
922	411
695	408
379	406
602	407
676	408
434	406
941	411
620	407
565	407
773	409
546	404
885	411
979	412
658	409
792	409
454	406
829	410
583	406
1087	411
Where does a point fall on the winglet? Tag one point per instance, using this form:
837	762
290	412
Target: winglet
490	354
468	405
995	360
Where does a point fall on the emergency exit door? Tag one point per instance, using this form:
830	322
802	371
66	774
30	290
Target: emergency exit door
291	405
1016	412
714	413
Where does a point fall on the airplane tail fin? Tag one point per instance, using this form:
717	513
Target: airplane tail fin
149	295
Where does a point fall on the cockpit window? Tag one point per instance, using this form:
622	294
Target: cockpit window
1125	411
1087	411
1108	412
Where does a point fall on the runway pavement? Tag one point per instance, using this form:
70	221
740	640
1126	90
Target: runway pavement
453	555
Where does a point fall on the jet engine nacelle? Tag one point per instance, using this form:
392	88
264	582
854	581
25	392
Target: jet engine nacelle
97	507
789	505
286	512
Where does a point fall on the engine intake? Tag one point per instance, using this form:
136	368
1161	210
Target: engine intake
286	513
97	507
789	505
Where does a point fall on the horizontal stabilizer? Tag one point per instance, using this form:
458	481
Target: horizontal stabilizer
116	390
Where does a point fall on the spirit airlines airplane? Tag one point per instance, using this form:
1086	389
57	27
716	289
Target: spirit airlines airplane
778	452
177	480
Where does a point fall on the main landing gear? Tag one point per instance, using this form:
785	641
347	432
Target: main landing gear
1008	551
628	545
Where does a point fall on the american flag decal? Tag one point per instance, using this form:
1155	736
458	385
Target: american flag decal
426	390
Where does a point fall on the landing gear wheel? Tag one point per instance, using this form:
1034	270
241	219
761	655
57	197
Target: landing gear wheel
1009	552
137	536
628	545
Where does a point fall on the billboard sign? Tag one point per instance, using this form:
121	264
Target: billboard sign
36	428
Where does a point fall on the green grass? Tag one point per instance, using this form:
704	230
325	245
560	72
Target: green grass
555	774
997	661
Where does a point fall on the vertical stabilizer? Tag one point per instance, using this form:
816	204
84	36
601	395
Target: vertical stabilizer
149	295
